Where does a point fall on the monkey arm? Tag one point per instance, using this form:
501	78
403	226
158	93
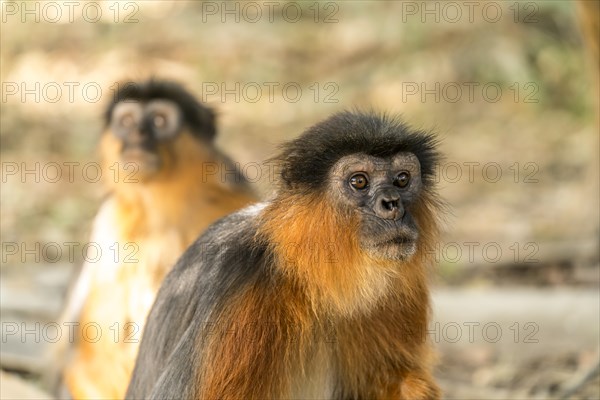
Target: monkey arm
251	351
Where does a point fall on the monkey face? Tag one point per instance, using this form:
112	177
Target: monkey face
380	191
143	130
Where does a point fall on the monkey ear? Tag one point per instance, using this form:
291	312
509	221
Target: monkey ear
281	167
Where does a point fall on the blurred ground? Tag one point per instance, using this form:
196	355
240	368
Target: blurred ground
513	96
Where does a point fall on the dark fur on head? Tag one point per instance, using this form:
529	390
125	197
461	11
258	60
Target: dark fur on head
307	160
199	118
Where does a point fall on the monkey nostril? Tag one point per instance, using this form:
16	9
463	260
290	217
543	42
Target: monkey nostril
389	205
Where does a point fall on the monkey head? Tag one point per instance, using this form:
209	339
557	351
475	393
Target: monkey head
376	171
380	191
150	125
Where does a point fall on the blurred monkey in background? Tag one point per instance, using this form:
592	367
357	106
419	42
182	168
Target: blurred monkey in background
167	183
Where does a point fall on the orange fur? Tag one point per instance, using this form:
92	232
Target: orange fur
318	245
259	320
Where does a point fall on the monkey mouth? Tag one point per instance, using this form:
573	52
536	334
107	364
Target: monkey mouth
405	237
397	247
399	240
145	162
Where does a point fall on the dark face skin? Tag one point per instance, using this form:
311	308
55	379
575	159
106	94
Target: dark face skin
142	128
381	191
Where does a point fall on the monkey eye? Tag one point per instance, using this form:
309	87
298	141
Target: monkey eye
159	121
402	179
359	181
164	118
127	121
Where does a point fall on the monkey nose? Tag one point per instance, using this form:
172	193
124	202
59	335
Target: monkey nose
389	206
